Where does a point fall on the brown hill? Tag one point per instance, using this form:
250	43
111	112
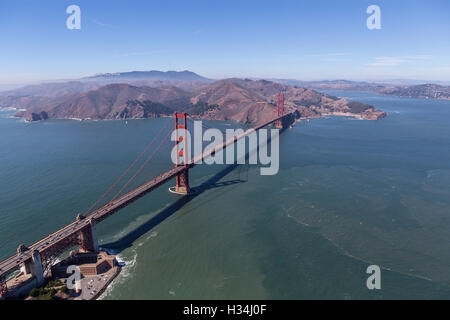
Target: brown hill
235	102
244	101
107	102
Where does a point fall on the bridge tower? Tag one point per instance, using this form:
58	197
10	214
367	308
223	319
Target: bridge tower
280	110
181	149
88	238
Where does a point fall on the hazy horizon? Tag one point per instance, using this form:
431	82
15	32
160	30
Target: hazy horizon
11	86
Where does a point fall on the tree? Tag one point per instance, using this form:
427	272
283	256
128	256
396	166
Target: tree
34	292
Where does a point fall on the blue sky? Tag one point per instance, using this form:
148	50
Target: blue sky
309	40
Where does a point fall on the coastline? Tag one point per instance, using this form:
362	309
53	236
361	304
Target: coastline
117	270
321	116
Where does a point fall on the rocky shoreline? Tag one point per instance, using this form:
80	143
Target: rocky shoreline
376	115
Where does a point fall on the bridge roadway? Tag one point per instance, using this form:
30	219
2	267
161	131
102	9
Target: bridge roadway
98	215
14	261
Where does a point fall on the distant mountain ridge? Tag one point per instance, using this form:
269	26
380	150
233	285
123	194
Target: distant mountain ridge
150	75
52	89
185	79
424	91
421	91
192	82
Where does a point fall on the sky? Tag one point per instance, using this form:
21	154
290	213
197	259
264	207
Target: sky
306	40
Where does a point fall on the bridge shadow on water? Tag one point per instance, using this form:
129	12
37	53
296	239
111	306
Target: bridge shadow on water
127	240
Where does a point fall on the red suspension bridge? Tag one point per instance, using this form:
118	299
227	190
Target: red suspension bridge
35	259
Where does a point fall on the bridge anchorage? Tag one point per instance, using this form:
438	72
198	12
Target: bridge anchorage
27	269
181	153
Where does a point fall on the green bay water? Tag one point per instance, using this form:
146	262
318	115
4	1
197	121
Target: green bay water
349	194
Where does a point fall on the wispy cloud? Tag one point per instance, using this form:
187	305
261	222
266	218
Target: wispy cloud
101	24
395	61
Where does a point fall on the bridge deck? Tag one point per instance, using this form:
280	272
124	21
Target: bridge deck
98	215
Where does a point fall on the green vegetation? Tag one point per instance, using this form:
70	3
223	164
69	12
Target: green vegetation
169	107
43	294
200	108
179	105
54	283
49	290
334	98
358	107
35	292
149	108
306	103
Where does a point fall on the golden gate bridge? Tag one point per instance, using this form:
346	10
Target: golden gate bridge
33	260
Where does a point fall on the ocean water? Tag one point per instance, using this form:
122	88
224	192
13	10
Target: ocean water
349	194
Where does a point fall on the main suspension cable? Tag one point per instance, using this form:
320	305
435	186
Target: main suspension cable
143	165
127	170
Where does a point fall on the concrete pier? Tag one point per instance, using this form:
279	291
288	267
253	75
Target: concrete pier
26	268
37	266
93	235
88	235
